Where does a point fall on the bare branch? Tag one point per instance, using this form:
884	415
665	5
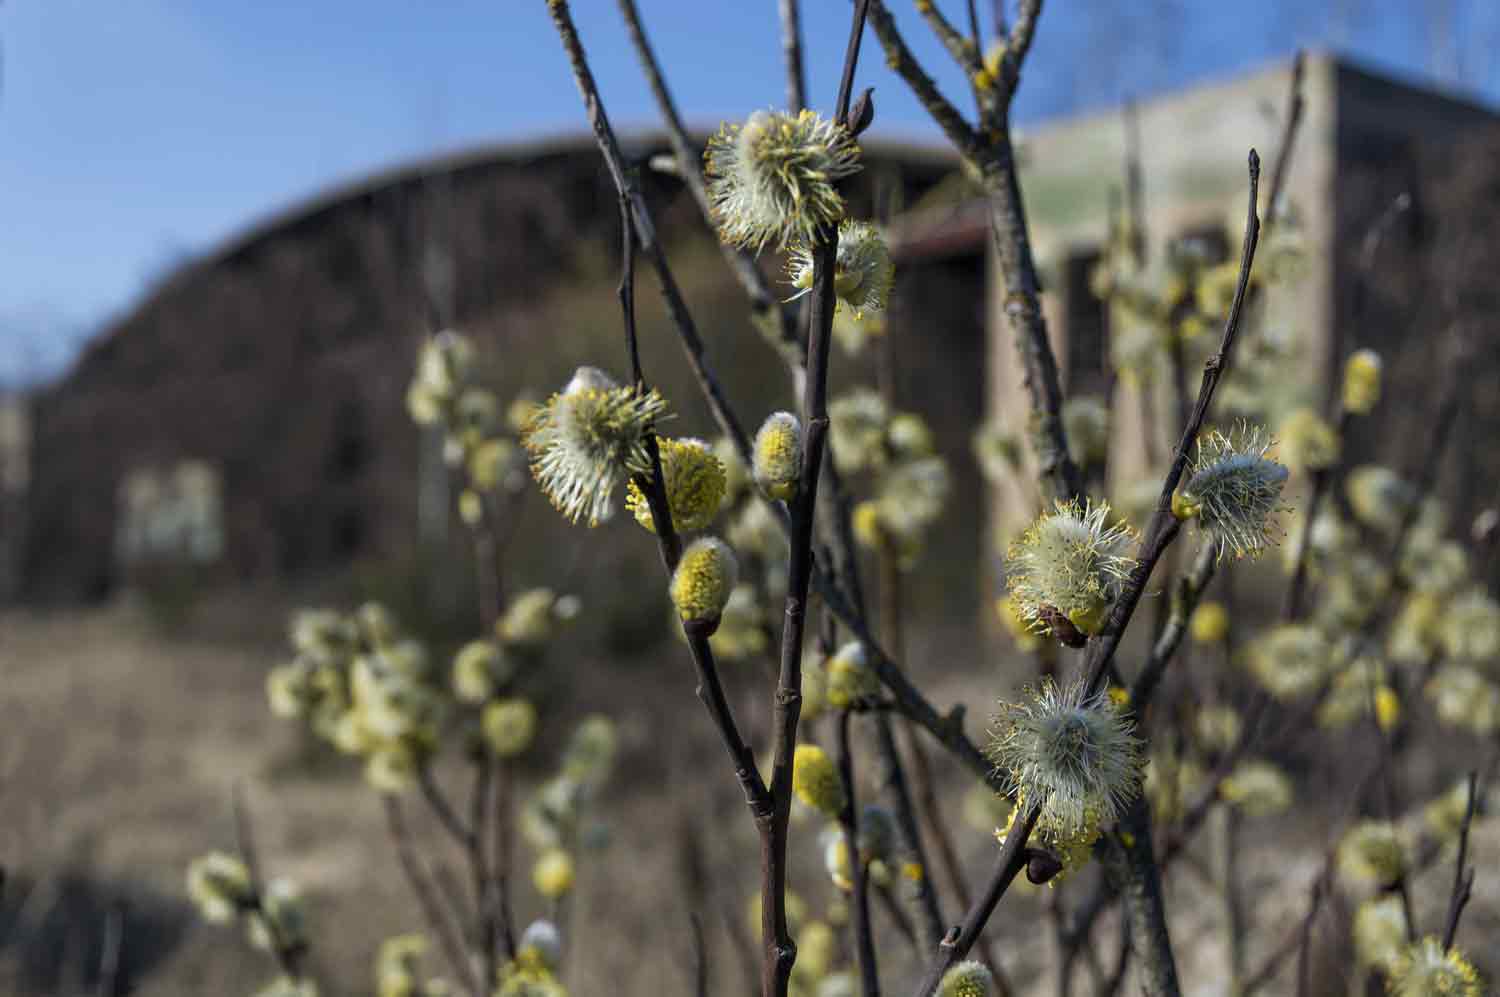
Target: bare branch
1164	526
439	919
791	54
1463	880
900	58
961	938
964	51
700	958
859	869
764	305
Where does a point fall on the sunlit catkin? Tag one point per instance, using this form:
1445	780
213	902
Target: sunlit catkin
705	576
772	179
1362	382
694	480
816	780
1076	755
967	979
587	440
778	455
1233	490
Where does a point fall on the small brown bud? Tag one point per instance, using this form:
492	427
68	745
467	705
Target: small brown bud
862	113
1062	628
1041	866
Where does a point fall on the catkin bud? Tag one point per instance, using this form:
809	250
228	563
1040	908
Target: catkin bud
967	979
509	726
850	678
541	945
705	575
816	780
1362	381
219	885
480	667
1428	967
778	455
694	482
1209	623
773	178
553	873
1371	852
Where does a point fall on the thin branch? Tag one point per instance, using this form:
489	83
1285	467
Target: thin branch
462	835
645	229
485	904
700	957
900	59
500	861
961	938
964	51
791	54
781	952
1304	945
1190	589
926	898
1463	880
1289	124
764	304
1164	526
1294	940
287	953
859	869
1137	878
948	731
438	917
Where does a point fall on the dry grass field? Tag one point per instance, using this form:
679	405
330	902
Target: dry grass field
119	745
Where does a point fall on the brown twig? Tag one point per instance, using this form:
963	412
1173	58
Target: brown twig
1190	589
645	228
1463	880
764	305
989	149
1164	526
700	957
500	861
859	869
947	731
781	952
791	54
771	803
442	922
1131	865
964	51
485	903
1295	940
288	953
961	938
911	833
1304	944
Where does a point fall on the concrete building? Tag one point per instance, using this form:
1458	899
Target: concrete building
1364	138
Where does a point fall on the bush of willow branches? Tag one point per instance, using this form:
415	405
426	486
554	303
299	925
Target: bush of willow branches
1101	763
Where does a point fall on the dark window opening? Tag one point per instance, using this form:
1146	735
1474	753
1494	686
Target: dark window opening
350	452
346	533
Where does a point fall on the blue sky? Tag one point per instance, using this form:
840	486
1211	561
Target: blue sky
136	134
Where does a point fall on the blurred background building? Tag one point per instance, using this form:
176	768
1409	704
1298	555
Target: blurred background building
246	418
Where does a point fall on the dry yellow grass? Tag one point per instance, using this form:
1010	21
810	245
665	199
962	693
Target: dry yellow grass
118	748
